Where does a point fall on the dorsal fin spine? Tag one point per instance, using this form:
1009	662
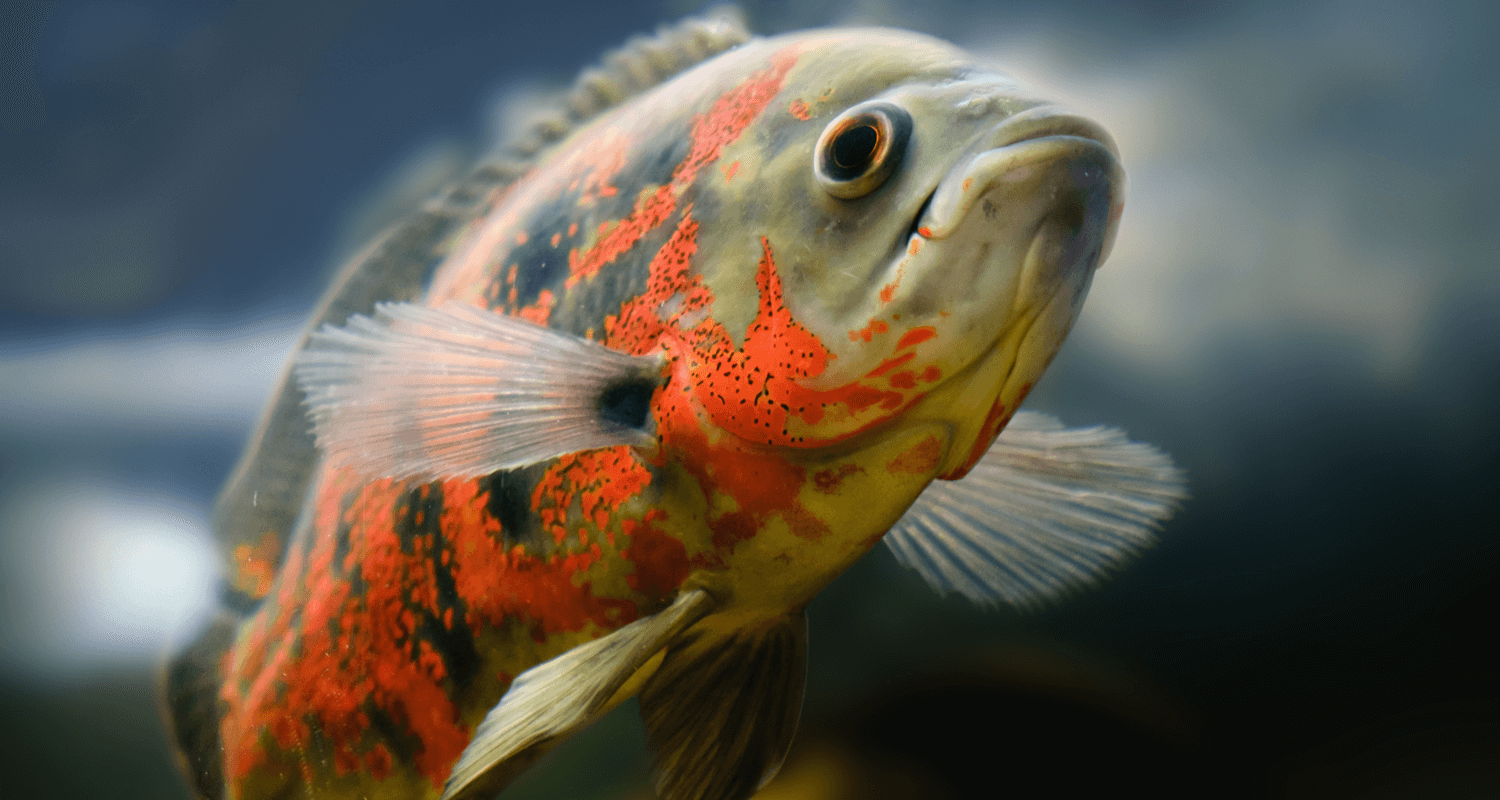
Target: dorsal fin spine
642	63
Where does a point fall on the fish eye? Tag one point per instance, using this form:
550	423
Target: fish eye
860	149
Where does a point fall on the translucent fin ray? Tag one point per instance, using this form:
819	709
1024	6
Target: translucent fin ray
458	392
721	710
556	698
1045	510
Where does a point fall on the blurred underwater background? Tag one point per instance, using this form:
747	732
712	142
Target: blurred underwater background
1303	308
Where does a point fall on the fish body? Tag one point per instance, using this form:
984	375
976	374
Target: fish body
631	411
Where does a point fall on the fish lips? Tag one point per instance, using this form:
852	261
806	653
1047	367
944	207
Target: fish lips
1047	175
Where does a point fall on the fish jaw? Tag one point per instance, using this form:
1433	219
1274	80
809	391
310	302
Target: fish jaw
999	266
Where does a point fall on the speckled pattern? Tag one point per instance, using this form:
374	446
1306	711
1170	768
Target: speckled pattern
796	328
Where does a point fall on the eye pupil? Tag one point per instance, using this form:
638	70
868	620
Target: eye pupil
860	149
853	148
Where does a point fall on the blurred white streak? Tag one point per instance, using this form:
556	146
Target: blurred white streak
98	574
177	380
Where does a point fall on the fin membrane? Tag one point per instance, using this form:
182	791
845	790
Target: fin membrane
1046	509
555	698
459	392
640	64
721	711
268	487
190	689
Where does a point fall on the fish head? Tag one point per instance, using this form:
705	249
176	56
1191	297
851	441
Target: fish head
895	249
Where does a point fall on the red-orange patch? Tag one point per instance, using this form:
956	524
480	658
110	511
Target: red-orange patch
255	567
828	481
890	364
916	336
868	331
922	458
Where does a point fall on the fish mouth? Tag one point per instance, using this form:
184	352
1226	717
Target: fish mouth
1042	138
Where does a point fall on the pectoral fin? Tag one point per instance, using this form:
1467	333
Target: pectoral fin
553	699
458	392
721	710
1046	509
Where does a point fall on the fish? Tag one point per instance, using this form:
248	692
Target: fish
601	420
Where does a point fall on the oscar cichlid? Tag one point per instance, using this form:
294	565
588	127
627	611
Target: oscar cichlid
603	421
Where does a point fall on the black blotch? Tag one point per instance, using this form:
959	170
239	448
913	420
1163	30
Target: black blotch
509	501
454	645
342	544
403	744
627	402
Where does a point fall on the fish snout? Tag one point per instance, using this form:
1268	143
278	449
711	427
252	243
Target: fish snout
1044	177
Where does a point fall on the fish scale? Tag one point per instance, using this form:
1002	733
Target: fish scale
757	369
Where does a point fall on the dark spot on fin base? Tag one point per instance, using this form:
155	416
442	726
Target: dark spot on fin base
627	402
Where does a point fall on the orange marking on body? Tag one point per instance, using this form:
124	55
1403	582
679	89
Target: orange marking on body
920	459
540	311
888	291
729	171
711	133
904	379
347	653
352	650
751	392
650	211
799	109
521	238
596	164
868	331
828	481
931	374
556	239
914	246
994	423
925	232
378	760
890	364
968	182
661	562
916	336
255	567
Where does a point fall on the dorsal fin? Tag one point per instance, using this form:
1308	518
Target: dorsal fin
642	63
258	507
